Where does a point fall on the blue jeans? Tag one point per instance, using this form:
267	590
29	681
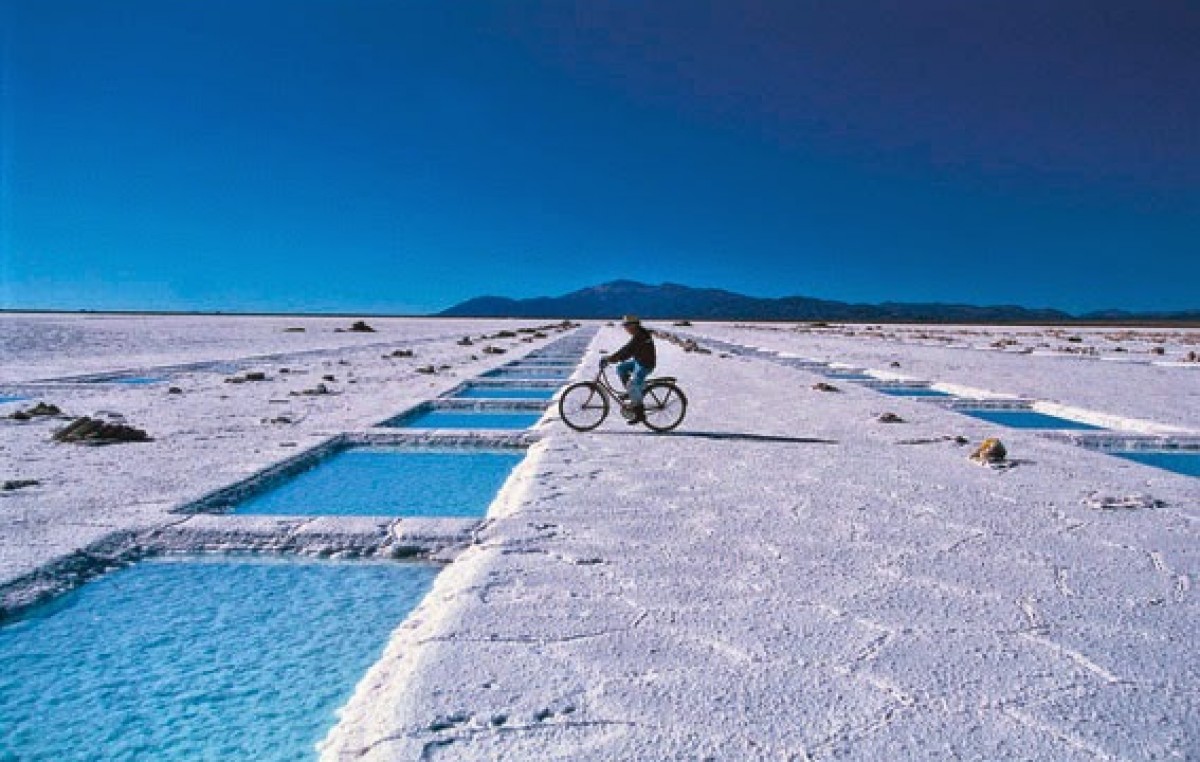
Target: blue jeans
633	375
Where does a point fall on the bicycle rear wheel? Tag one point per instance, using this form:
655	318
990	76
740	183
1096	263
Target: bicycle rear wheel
666	405
583	406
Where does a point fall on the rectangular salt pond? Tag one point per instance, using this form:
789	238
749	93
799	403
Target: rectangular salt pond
504	393
130	380
9	398
391	481
518	373
200	658
1186	462
1027	419
849	376
911	391
468	419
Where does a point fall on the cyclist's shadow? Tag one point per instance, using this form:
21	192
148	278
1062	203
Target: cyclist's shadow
733	436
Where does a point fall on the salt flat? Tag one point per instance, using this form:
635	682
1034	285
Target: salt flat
783	578
211	434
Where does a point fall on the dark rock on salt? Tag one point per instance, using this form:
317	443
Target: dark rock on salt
316	391
821	386
39	410
94	431
360	326
12	485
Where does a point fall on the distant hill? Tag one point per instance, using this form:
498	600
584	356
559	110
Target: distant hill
671	301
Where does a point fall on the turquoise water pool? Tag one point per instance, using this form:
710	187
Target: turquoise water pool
1186	462
848	376
911	391
198	659
518	373
1028	419
469	419
9	398
505	393
391	481
132	380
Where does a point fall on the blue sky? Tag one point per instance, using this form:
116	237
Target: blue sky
388	155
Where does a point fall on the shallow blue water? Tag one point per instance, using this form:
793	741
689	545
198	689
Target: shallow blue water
505	392
553	375
542	362
911	391
198	659
1027	419
391	481
1181	462
466	419
850	376
133	380
7	398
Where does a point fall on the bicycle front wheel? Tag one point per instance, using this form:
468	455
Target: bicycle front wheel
583	406
666	405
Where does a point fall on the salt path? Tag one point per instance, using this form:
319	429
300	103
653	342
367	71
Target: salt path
780	579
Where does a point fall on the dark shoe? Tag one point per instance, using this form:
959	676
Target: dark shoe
639	416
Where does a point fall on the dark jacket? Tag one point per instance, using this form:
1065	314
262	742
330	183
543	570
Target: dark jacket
640	347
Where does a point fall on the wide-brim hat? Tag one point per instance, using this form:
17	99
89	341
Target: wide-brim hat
630	320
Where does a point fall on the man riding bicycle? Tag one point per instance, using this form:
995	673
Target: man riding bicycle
636	361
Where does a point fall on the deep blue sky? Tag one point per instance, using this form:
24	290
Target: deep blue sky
387	155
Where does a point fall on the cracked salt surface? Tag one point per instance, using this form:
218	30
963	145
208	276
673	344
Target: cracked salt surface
764	594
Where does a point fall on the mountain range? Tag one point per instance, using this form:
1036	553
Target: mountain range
671	301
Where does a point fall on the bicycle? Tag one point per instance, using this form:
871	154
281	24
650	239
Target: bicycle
585	404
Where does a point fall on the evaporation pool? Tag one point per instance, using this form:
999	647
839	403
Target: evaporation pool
505	393
391	481
911	391
529	375
198	658
131	380
1027	419
848	376
469	419
1186	462
9	398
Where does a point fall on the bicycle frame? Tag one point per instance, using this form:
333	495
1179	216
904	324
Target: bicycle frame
603	381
